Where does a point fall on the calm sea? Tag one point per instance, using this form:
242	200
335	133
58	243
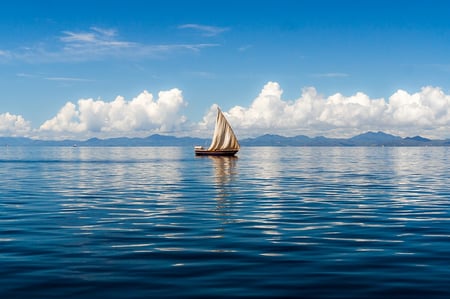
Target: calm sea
156	222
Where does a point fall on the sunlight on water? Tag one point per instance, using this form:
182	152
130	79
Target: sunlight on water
277	222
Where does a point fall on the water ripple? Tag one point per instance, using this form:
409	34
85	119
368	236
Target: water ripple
275	222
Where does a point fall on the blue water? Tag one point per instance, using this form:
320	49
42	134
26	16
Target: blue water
275	222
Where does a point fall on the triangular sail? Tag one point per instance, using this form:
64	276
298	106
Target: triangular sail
224	138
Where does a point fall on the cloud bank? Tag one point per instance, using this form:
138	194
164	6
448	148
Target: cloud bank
425	113
141	115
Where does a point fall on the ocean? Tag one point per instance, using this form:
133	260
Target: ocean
275	222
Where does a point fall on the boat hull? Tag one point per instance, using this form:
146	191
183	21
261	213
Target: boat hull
205	152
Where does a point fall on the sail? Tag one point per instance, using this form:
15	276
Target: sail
224	138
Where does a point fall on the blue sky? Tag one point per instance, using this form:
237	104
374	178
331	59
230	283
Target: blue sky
334	68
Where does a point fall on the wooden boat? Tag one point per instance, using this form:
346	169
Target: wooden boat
224	142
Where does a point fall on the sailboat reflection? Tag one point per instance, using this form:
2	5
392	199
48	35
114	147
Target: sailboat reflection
224	169
224	175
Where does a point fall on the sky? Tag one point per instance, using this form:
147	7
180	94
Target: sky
82	69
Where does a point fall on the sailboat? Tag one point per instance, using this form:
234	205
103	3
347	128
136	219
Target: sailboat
224	142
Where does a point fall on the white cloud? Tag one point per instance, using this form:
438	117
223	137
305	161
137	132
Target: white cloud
205	30
354	111
4	55
105	32
244	48
428	108
13	125
331	75
141	115
67	79
95	44
426	112
98	37
71	37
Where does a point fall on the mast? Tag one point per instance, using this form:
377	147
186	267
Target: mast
224	137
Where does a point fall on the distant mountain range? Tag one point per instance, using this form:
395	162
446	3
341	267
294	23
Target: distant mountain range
366	139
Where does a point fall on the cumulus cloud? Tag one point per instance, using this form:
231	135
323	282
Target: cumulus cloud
426	112
13	125
427	108
310	113
141	115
